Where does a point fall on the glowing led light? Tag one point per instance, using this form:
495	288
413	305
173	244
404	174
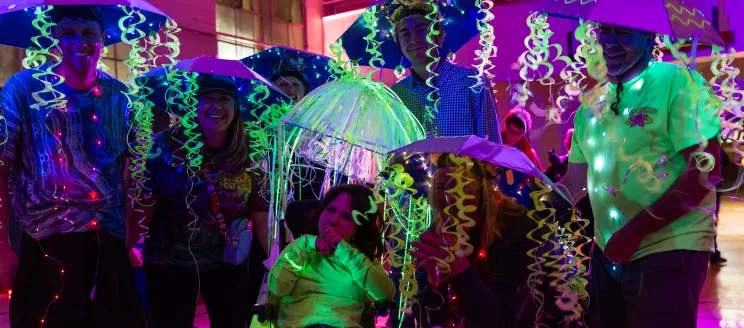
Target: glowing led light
599	163
614	214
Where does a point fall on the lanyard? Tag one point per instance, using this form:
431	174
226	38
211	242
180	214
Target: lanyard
214	201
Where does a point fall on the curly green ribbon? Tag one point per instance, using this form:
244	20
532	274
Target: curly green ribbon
432	98
572	74
37	56
404	216
486	41
373	46
359	216
536	65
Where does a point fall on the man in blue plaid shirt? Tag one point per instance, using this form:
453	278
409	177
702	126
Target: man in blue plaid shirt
460	111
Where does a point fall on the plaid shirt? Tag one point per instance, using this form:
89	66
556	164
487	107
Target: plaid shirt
461	111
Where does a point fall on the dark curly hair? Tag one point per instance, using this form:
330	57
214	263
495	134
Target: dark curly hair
367	238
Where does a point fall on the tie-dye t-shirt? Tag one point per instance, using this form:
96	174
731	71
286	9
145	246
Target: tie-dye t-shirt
67	164
178	235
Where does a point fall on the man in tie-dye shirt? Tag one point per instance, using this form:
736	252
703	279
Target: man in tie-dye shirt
68	163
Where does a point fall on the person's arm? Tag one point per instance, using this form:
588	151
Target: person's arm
486	113
575	179
286	270
682	198
139	213
139	219
261	224
367	274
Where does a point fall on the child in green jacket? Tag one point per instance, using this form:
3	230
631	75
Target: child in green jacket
324	279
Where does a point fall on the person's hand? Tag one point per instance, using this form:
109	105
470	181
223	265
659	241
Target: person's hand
135	256
8	265
321	246
432	257
622	245
332	238
554	159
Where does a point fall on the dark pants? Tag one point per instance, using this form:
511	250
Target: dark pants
659	290
63	299
173	292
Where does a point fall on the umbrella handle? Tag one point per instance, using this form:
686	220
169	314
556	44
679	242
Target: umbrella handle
693	54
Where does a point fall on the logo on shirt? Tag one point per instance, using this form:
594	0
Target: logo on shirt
640	117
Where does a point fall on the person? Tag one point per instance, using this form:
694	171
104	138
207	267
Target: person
68	196
460	110
559	164
73	269
183	254
324	279
715	257
489	285
292	83
632	151
517	123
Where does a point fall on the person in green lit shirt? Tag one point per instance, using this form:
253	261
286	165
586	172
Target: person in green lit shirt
325	279
635	151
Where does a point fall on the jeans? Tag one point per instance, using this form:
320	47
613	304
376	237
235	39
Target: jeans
659	290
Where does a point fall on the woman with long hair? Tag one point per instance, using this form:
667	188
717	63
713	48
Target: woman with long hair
190	217
325	278
486	284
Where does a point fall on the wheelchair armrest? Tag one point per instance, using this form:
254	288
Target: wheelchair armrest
384	307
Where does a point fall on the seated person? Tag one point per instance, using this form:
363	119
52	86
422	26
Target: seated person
325	278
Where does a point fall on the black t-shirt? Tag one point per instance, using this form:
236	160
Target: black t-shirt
175	233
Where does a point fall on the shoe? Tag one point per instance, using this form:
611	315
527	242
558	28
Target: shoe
717	259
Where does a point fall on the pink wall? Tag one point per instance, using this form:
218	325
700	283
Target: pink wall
197	19
314	26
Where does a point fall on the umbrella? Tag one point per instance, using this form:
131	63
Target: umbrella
676	18
17	17
349	125
314	67
459	21
481	149
230	70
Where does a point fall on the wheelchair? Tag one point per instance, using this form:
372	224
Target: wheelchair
270	312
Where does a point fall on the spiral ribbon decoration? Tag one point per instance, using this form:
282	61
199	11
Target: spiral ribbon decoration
486	40
373	45
36	57
405	219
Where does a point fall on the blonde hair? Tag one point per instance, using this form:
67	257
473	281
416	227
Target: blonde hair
494	205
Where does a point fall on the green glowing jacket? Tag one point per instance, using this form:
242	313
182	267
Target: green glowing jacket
330	290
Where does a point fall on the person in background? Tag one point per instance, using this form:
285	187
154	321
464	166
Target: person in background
517	123
73	269
488	286
461	111
292	83
653	235
325	278
715	257
184	252
559	164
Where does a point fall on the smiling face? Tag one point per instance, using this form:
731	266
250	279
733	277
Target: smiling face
215	111
81	42
411	34
623	48
292	86
338	215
